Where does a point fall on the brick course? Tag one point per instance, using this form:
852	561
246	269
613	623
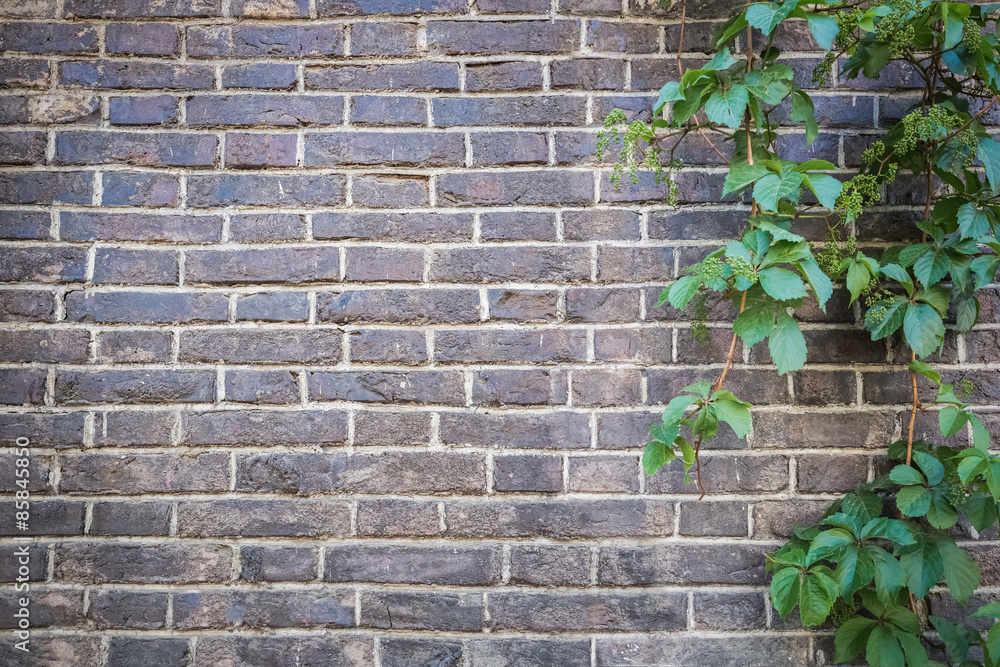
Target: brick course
331	338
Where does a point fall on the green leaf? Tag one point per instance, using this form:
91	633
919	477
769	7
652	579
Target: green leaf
865	505
981	510
906	475
765	17
786	251
989	154
655	456
972	222
665	433
858	277
804	111
931	467
826	187
883	649
980	434
960	570
966	314
785	586
956	638
916	654
779	233
854	571
703	388
985	267
787	345
932	267
951	420
682	291
852	637
755	323
782	284
736	414
991	610
941	514
830	544
889	574
820	283
726	107
730	29
992	646
923	329
913	500
884	528
817	594
924	567
721	60
899	274
741	176
671	92
824	29
771	188
706	424
884	321
925	369
676	408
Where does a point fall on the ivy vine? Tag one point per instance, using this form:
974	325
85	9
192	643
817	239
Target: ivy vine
869	564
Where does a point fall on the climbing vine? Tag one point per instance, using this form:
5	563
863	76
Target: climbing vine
868	565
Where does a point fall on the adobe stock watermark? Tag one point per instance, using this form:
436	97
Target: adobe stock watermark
22	554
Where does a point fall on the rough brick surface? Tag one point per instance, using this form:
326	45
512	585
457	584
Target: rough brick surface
333	340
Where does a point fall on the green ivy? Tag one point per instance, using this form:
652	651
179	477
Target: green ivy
875	555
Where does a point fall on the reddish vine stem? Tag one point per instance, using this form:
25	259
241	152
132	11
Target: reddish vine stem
680	41
913	412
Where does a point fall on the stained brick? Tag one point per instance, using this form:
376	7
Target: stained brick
119	563
480	111
259	75
505	345
140	227
301	517
264	110
146	39
370	38
254	151
517	226
560	519
397	387
135	74
463	566
396	149
132	475
44	345
264	427
134	386
300	190
513	75
260	345
146	307
123	188
489	37
397	306
48	38
559	430
412	227
265	41
286	265
389	191
22	147
257	609
141	150
551	264
416	76
606	612
496	148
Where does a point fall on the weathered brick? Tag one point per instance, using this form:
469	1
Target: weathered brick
145	473
48	517
495	37
141	150
548	264
120	563
397	306
24	225
396	472
48	37
520	472
390	190
135	346
255	386
612	305
264	427
622	37
278	563
131	518
388	346
264	110
604	612
607	388
686	564
53	649
251	650
26	306
558	430
513	6
501	387
253	151
213	190
807	430
396	518
735	474
523	305
134	386
394	226
604	474
594	225
267	227
454	612
140	188
261	345
329	607
271	265
370	38
760	650
135	74
133	428
497	148
530	652
131	610
777	518
391	429
273	307
403	652
115	9
44	345
22	148
46	187
40	474
260	75
830	474
397	387
395	149
21	386
415	76
167	651
37	566
302	517
29	8
588	74
267	9
260	41
546	565
140	227
43	430
715	519
513	75
635	264
364	7
388	110
517	226
559	519
506	345
729	611
449	566
146	307
647	346
23	72
480	111
146	39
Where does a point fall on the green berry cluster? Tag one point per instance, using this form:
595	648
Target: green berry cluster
710	268
831	257
699	332
842	612
971	36
966	387
897	29
860	191
743	269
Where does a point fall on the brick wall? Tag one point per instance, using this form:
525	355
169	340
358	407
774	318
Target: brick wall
335	347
